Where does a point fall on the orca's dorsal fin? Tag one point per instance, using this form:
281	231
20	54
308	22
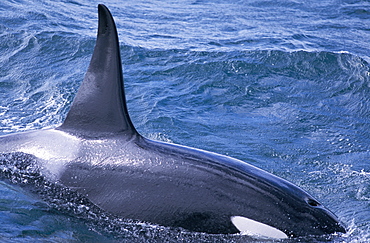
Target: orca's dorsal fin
100	105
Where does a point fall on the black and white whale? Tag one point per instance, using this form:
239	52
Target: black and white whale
98	153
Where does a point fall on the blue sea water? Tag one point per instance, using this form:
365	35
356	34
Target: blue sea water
283	85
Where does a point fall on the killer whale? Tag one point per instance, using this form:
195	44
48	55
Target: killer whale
98	153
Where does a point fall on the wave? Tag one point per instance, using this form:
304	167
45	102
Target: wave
322	86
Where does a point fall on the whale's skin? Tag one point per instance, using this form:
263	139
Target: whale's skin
98	153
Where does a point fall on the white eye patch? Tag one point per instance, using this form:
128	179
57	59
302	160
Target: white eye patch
253	228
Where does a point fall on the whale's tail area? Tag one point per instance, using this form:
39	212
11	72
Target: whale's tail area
100	105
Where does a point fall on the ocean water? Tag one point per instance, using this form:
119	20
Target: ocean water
283	85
